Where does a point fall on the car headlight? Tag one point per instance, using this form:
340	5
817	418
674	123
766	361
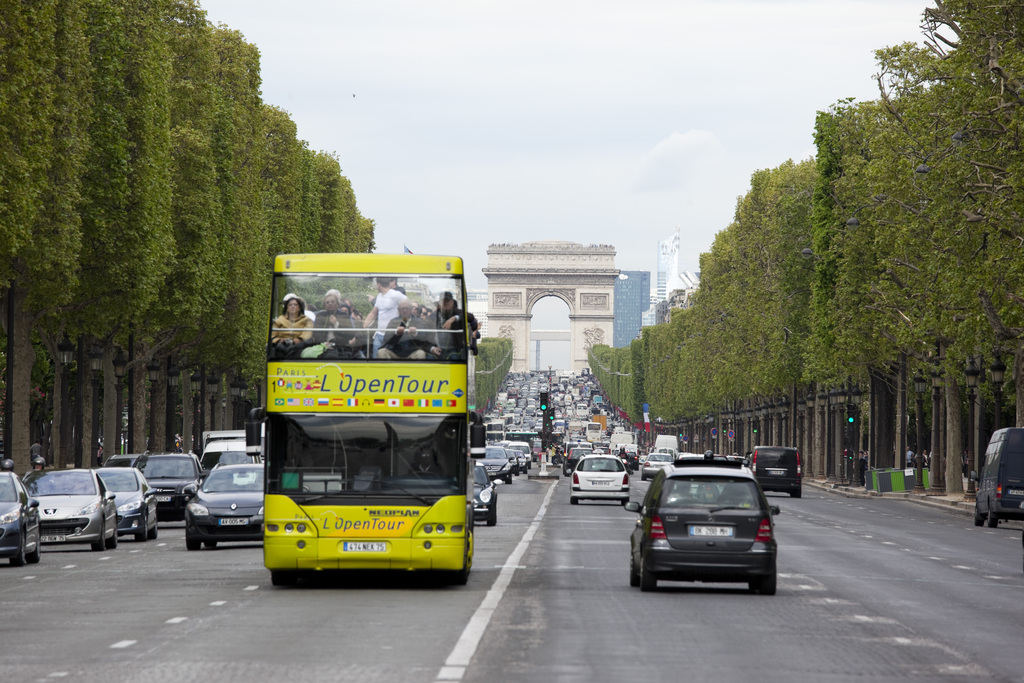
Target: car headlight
130	507
12	516
198	509
260	513
485	496
90	509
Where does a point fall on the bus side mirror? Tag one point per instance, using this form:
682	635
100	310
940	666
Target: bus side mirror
254	432
477	435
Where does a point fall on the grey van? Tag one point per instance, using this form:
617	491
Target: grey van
1001	483
778	468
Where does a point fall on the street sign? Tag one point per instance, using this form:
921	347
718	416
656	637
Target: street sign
714	431
686	439
731	435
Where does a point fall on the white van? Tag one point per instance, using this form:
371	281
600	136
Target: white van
667	441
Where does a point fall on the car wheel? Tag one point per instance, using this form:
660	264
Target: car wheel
33	557
508	478
765	585
643	477
797	493
979	518
151	534
648	582
573	500
100	544
142	535
634	575
624	501
19	559
992	521
111	542
192	544
280	578
492	517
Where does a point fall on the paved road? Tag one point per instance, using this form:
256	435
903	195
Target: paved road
870	589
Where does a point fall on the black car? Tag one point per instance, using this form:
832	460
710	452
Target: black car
499	464
136	501
485	496
778	468
19	522
704	520
572	459
169	474
227	507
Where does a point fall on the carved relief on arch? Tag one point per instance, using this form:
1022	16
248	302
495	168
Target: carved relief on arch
594	302
507	331
592	336
508	300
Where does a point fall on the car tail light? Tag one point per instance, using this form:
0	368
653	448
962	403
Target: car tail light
799	465
764	532
575	479
999	491
657	529
753	462
625	479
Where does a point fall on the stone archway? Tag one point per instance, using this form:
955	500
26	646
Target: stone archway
520	275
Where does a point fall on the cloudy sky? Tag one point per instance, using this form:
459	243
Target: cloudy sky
463	123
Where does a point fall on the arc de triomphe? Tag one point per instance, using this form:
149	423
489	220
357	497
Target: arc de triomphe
520	275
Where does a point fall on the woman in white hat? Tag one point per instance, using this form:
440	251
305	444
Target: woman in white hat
292	326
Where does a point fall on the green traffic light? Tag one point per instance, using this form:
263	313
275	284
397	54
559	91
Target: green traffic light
849	419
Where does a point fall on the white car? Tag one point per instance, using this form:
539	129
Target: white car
656	462
599	477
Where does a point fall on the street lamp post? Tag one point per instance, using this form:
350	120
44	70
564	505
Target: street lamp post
998	370
153	375
971	372
212	387
65	354
937	480
783	417
173	377
120	363
236	392
96	365
809	434
920	385
196	385
856	396
841	409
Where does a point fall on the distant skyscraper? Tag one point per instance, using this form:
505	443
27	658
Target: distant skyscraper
632	298
668	265
476	302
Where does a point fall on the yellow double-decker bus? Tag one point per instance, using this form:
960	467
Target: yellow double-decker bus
366	423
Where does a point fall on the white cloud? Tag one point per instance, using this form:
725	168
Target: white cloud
677	159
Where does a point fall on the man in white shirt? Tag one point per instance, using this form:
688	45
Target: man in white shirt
385	308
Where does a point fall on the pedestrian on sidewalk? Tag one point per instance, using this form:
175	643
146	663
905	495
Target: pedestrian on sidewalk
862	468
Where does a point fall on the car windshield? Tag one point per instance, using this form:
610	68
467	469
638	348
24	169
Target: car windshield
8	494
707	491
120	480
660	457
600	465
771	457
223	481
211	459
480	476
63	483
168	468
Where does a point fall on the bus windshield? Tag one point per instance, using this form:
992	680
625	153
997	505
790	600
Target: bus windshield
367	457
343	316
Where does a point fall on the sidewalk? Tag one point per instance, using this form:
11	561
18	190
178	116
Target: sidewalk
954	503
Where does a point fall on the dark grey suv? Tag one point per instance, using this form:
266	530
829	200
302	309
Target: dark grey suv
704	520
778	468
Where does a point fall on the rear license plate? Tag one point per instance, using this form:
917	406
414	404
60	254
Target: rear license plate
777	473
163	499
233	521
601	482
52	539
351	547
716	531
1015	492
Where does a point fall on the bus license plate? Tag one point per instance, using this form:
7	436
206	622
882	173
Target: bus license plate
716	531
351	547
52	539
233	521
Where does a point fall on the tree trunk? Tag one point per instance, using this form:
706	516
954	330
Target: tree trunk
954	439
19	394
883	418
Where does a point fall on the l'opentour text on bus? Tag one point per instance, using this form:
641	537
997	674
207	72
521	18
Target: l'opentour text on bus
367	416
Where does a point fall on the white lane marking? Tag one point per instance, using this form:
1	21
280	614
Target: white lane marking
218	603
176	620
121	644
251	588
26	578
57	674
960	566
69	566
455	666
902	641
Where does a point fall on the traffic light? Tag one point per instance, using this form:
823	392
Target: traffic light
543	402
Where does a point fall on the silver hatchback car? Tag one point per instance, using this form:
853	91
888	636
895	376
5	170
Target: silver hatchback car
75	507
